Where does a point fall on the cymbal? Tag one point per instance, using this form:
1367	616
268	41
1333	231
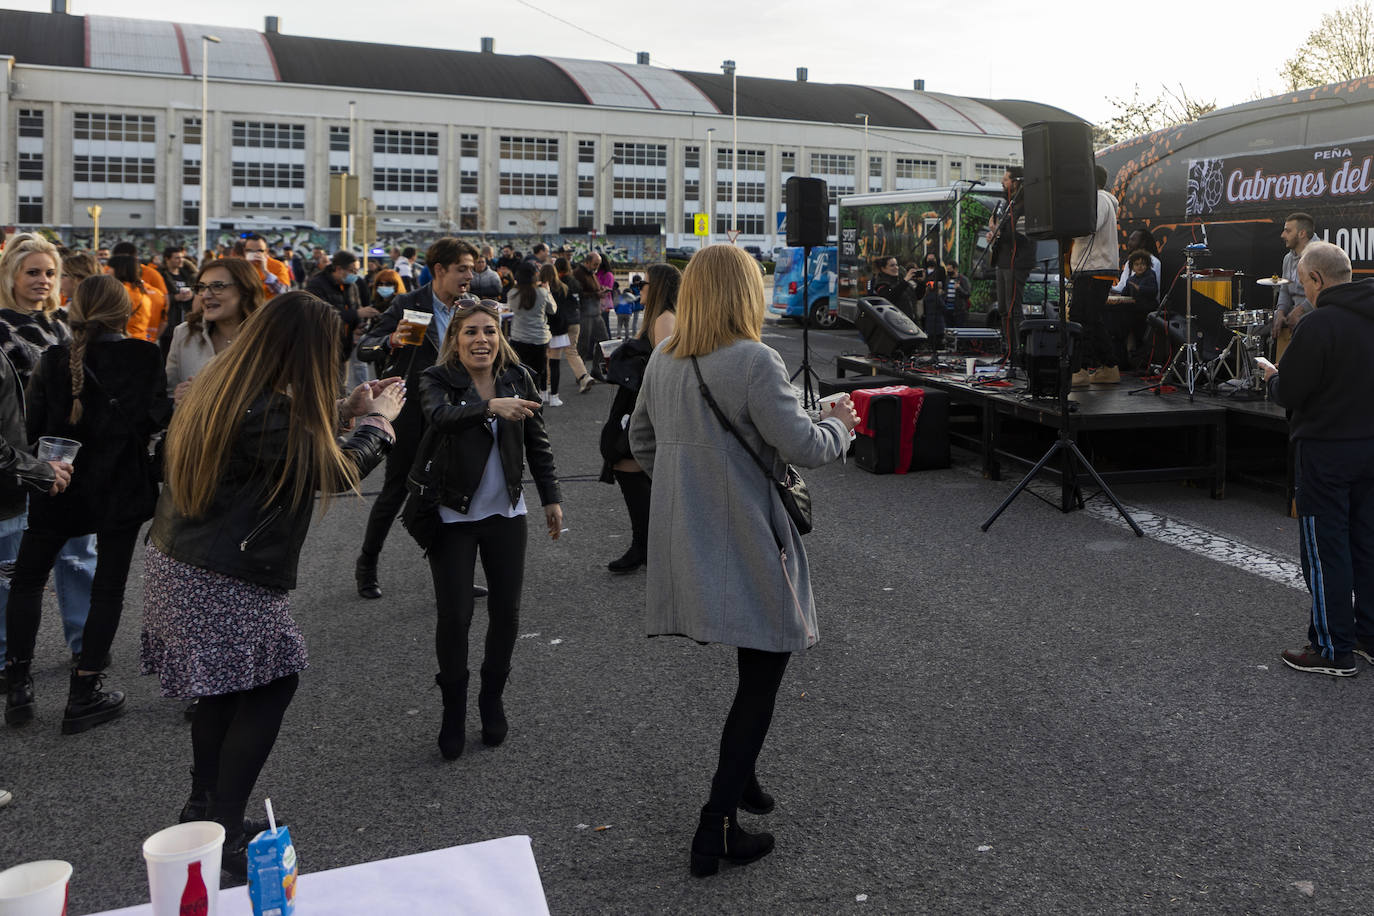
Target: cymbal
1272	281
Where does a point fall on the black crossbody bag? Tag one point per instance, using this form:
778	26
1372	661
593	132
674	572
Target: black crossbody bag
796	498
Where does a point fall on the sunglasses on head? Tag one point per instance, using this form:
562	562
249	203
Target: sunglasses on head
466	305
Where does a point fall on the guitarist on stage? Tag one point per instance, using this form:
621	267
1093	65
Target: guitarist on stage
1292	305
1013	254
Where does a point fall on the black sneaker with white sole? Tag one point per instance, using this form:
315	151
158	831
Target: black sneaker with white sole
1312	661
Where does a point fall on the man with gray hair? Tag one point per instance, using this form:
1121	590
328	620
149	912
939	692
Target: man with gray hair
1322	380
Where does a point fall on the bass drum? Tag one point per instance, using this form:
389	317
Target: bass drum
1167	331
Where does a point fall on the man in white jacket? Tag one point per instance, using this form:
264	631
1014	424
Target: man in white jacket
1093	264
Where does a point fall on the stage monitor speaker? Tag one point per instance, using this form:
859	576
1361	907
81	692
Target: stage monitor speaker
1042	342
886	329
808	212
1059	190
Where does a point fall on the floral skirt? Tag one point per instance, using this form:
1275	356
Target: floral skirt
205	633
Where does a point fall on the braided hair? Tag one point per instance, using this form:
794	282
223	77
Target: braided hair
99	303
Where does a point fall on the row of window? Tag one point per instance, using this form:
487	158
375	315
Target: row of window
406	142
640	154
114	169
406	180
89	125
267	175
266	135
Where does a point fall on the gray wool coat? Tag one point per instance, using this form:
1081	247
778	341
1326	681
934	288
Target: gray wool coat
716	571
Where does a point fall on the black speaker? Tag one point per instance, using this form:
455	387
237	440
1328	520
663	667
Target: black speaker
1041	342
1059	189
886	330
808	212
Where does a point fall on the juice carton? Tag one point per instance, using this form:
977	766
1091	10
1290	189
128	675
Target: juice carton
272	873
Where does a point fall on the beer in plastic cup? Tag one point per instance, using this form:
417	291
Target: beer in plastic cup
413	325
183	868
35	889
55	448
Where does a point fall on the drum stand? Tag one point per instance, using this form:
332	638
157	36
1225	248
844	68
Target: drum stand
1186	365
1244	369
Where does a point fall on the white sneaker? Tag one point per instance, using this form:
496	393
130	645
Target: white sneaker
555	401
5	797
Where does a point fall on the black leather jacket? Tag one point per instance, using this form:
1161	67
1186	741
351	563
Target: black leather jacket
409	362
459	440
241	535
20	472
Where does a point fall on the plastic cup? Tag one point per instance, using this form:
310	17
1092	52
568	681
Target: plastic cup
55	448
970	367
183	866
35	889
416	323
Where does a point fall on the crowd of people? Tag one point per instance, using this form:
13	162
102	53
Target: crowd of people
219	400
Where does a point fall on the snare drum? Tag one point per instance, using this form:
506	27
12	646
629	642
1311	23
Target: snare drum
1254	318
1215	285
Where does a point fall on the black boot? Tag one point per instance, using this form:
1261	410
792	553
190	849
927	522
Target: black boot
719	837
490	707
453	732
755	800
365	571
635	487
88	705
19	705
233	863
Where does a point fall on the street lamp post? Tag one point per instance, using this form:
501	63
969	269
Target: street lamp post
864	172
711	201
205	41
729	68
346	223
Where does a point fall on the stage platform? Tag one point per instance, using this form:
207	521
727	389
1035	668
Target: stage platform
1128	437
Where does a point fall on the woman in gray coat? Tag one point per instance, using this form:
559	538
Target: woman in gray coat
726	563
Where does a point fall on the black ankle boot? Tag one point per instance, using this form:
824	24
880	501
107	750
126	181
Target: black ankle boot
755	800
719	837
490	707
453	731
88	705
365	572
631	560
233	861
19	704
636	488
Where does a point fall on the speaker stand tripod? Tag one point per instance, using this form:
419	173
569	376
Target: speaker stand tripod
804	370
1073	459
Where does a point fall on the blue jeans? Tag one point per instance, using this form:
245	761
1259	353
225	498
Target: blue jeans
72	577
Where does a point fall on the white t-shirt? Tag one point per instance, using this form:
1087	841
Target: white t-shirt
403	268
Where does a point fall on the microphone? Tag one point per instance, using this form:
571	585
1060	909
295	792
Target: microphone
972	182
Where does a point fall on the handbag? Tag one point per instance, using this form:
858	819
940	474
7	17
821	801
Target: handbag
796	498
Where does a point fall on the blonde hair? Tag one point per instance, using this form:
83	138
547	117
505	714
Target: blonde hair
99	303
12	261
289	345
505	353
720	301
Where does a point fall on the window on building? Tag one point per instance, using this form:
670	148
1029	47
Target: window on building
338	138
267	165
467	217
190	171
533	149
267	135
31	162
691	157
113	156
406	142
405	171
30	166
30	209
467	146
467	182
30	122
586	151
915	173
990	172
90	125
528	173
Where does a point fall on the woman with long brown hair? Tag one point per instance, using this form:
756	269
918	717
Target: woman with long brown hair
628	363
484	424
226	293
31	321
107	392
247	450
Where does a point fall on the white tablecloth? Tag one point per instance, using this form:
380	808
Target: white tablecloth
497	876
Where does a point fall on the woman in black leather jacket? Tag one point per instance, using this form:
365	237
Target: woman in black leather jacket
247	450
484	423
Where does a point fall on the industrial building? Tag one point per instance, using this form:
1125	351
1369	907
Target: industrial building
103	110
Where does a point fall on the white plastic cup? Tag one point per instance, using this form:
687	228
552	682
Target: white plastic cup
832	398
35	889
970	367
55	448
170	854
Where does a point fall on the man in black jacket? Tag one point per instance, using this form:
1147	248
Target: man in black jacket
340	286
1321	381
450	262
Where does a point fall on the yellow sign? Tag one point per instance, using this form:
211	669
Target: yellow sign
701	224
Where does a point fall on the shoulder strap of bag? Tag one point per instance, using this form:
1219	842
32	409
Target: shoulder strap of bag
706	393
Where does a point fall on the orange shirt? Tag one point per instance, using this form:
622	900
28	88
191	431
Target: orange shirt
141	326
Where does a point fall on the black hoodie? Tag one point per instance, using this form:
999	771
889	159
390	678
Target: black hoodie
1324	376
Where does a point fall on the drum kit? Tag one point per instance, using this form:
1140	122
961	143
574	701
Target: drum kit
1228	352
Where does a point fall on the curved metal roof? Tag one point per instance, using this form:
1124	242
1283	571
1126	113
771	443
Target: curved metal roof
146	46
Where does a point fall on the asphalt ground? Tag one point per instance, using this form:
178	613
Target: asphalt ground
1050	717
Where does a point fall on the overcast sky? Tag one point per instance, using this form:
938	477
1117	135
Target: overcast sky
1072	54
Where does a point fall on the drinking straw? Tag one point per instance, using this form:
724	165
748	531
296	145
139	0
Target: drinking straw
271	818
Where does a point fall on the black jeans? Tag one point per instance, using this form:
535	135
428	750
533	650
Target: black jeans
1090	310
231	737
37	554
409	430
536	359
1011	285
452	561
760	674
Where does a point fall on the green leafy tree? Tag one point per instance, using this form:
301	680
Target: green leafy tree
1340	49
